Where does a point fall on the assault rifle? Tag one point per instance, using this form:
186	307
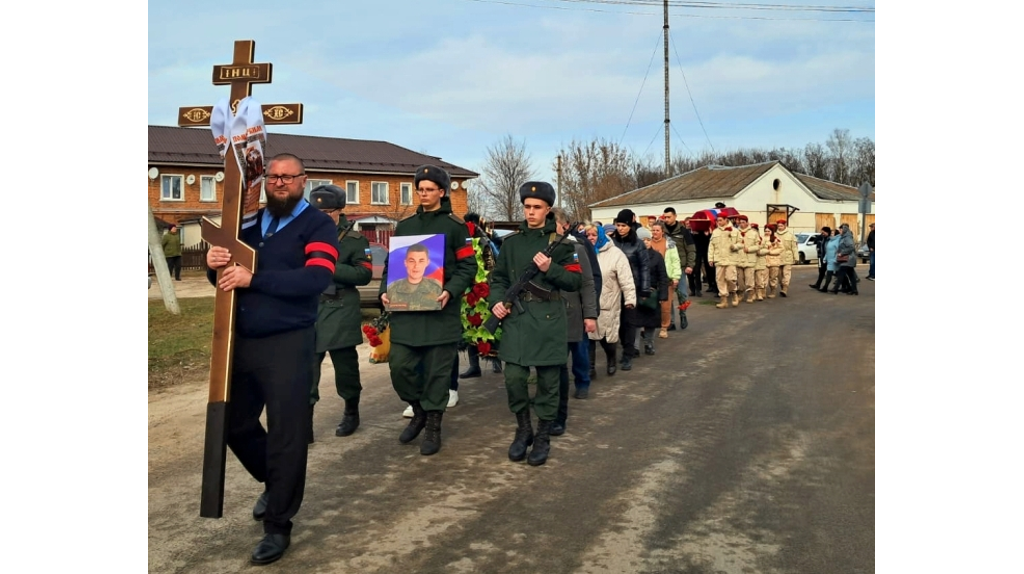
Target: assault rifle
512	294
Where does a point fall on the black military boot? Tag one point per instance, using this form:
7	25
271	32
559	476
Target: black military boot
432	438
416	424
350	420
473	370
541	444
627	363
309	437
524	436
496	366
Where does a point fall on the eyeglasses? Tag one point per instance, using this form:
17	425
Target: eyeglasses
285	179
428	190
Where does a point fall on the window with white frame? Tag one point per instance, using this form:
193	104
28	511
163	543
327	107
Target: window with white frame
406	194
171	188
207	188
312	184
379	193
351	192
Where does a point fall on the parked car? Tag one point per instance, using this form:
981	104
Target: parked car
864	253
808	250
368	292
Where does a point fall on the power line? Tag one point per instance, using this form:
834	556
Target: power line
656	134
676	14
684	143
687	84
730	5
651	63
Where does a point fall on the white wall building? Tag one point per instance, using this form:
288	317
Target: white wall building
750	189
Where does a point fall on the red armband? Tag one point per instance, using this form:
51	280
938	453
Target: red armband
322	254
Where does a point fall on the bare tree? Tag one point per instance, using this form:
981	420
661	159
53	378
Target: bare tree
816	161
594	171
840	148
863	162
507	167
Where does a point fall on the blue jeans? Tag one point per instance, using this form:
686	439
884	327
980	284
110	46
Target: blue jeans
871	268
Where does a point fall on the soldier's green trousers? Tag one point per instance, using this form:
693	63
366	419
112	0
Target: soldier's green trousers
545	402
346	374
430	388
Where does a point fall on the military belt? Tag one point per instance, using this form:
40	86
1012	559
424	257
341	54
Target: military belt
536	293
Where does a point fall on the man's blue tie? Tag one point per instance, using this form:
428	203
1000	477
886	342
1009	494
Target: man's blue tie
272	228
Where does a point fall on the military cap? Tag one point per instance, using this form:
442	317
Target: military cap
434	174
741	217
327	197
539	190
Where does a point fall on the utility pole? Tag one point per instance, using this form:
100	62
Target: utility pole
559	181
667	156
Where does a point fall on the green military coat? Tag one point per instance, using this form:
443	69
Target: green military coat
538	337
338	318
422	328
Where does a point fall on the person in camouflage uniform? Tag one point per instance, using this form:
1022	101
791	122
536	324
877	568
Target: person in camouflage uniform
537	336
415	292
424	343
338	315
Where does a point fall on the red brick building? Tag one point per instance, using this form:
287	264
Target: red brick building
186	175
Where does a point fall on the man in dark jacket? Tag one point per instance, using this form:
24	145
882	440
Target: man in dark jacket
424	343
626	240
687	249
819	244
581	314
275	334
339	318
871	249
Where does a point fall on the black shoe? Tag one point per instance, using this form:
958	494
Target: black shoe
496	366
814	286
697	294
683	321
627	365
348	425
419	420
432	438
541	445
271	548
852	293
350	420
672	327
834	291
259	511
648	348
557	428
822	290
471	373
581	393
523	438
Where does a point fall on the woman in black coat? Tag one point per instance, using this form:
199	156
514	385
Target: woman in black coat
626	240
648	316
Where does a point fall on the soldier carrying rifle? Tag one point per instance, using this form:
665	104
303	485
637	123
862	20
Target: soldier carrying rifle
534	331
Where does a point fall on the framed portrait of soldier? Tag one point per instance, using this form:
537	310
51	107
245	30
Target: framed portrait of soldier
415	272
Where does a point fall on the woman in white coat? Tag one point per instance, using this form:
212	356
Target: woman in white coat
617	280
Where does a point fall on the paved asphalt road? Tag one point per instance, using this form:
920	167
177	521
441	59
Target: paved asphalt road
745	445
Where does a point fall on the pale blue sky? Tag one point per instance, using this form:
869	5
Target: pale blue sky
451	77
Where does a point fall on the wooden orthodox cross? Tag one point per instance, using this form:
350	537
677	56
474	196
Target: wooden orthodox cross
240	74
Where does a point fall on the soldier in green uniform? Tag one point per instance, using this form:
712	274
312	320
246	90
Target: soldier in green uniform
338	316
415	292
537	336
429	339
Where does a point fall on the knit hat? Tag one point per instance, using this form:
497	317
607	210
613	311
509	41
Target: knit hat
643	233
625	216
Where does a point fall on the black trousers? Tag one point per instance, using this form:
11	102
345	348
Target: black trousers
273	372
847	279
628	324
822	268
693	280
174	266
709	272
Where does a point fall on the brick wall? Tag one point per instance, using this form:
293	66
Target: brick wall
191	206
